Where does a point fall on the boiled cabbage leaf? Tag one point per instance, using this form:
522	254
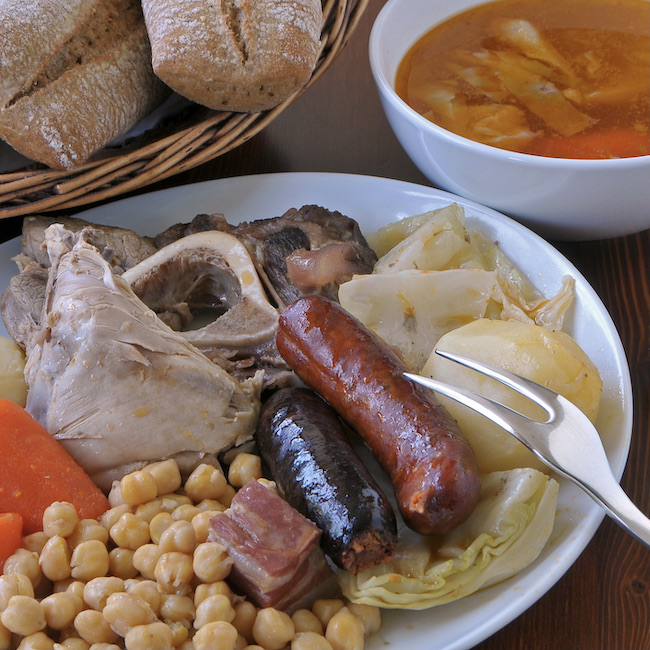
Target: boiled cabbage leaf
505	533
437	274
412	309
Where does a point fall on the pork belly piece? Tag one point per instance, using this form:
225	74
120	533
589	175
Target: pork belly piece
114	384
277	559
310	250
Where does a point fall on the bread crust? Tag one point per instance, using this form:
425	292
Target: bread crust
83	78
235	55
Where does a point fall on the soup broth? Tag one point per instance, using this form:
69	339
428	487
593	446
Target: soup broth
566	78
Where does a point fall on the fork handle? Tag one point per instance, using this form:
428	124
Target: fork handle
622	510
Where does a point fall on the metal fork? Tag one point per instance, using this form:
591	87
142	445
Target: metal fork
566	440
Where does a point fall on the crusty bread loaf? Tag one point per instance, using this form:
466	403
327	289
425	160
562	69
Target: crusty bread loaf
74	75
235	55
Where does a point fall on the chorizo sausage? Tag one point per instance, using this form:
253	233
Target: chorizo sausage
304	445
431	465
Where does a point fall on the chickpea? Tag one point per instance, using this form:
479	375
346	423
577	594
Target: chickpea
147	511
36	641
205	589
120	563
35	541
205	482
145	560
218	634
369	615
153	636
180	632
158	525
138	487
178	609
126	610
214	608
273	629
227	497
186	511
76	588
174	572
147	590
87	529
60	610
72	643
211	562
89	560
93	628
60	518
201	522
305	620
23	615
310	641
245	613
97	591
178	536
325	608
111	516
5	637
115	497
345	631
24	562
169	502
210	504
243	468
14	584
130	532
166	474
55	558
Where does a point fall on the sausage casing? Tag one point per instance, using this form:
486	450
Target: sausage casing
431	465
316	469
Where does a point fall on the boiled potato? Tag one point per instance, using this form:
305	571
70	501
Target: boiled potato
549	357
12	364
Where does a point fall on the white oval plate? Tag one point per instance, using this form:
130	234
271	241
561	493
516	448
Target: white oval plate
374	202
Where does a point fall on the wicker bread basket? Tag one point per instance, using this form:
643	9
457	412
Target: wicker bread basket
192	137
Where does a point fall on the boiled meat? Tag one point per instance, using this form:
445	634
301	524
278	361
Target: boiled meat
308	238
121	247
206	286
277	559
114	384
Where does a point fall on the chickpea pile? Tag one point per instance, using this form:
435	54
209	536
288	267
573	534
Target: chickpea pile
144	576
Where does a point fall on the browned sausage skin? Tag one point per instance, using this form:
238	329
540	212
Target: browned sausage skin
419	445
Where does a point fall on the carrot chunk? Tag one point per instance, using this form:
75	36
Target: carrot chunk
37	470
11	535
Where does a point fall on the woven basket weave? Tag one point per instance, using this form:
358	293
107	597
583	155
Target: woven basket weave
195	136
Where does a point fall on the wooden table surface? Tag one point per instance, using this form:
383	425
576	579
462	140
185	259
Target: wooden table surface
603	601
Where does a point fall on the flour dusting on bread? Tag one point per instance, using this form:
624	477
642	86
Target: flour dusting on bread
237	55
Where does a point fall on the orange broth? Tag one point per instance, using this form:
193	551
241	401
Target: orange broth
560	78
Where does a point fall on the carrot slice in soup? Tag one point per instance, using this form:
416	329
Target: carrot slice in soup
11	535
613	143
37	470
